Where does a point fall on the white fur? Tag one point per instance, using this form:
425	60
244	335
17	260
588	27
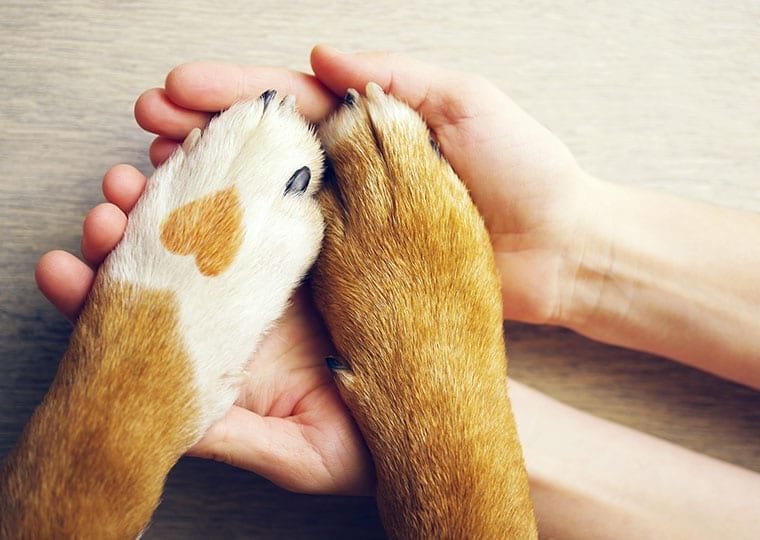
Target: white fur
224	317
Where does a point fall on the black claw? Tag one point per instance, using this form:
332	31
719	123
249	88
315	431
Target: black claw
436	147
299	181
267	96
349	100
336	364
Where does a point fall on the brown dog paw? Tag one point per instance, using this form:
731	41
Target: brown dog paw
407	284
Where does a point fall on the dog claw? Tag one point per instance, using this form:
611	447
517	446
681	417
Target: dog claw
349	100
374	91
336	364
435	146
299	181
267	97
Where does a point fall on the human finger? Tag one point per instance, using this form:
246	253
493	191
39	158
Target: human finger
442	97
161	148
157	113
212	87
123	185
64	280
102	229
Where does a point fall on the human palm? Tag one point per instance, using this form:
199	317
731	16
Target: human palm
530	192
289	423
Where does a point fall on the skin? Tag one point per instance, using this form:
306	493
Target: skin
560	263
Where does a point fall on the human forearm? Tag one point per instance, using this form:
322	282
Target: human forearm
594	479
669	276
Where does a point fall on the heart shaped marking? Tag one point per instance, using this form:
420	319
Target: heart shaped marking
209	228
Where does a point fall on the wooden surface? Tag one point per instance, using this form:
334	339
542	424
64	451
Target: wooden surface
661	94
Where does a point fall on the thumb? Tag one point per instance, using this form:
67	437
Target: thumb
442	97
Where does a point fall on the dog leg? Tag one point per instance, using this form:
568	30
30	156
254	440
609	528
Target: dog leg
407	284
225	230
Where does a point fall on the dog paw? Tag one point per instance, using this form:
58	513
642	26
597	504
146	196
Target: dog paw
407	284
224	232
404	244
406	279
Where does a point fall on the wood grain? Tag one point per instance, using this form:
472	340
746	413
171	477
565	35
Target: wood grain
660	94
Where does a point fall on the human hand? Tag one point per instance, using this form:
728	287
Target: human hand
615	263
524	181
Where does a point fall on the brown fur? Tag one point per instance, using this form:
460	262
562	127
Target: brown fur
125	382
408	286
210	228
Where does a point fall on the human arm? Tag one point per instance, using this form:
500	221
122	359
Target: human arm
669	276
591	478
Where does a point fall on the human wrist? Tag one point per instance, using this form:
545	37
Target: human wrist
617	257
649	270
584	251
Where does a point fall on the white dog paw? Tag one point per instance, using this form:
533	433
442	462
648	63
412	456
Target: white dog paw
228	227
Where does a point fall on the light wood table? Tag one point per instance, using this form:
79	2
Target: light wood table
659	94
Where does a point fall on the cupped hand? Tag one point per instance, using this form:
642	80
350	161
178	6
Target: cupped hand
524	181
289	424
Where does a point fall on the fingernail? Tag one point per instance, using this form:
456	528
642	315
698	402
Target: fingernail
335	363
331	49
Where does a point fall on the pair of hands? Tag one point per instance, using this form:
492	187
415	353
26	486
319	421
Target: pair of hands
289	424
